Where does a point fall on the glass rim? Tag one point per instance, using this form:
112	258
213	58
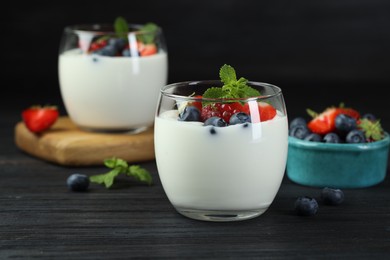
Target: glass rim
163	91
107	28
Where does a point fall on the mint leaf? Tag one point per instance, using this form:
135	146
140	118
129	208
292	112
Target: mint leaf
120	166
213	92
139	174
107	178
115	162
232	87
149	30
121	27
227	74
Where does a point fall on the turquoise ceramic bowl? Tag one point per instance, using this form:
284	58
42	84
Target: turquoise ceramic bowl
337	165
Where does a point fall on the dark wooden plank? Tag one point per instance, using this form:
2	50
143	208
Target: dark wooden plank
41	219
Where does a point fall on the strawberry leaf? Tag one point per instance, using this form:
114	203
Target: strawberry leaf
372	129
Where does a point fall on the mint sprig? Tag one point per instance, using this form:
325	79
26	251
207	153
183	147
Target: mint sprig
232	88
121	27
120	166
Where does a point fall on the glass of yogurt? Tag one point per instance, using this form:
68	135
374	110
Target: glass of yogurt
220	159
110	78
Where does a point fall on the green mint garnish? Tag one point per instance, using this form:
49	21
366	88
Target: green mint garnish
121	27
149	29
372	129
232	88
120	166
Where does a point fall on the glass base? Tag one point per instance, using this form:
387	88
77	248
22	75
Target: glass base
129	131
220	215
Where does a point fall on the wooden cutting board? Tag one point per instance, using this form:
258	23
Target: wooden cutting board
65	144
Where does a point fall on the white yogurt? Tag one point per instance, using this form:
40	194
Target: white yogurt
237	168
101	92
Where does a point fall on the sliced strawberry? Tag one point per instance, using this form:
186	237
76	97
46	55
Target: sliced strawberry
324	122
196	104
38	118
148	49
351	112
267	111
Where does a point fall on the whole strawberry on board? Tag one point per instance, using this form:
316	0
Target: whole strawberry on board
39	118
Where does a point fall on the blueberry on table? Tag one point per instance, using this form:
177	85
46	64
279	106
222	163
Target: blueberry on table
215	121
77	182
239	118
298	121
313	137
331	138
306	206
190	113
299	131
345	123
355	136
332	196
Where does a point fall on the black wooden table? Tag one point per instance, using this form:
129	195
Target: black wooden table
41	219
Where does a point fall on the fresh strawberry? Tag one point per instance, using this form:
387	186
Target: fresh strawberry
148	49
225	110
324	122
196	104
267	111
350	112
38	119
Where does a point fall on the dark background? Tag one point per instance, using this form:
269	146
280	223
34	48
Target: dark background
320	53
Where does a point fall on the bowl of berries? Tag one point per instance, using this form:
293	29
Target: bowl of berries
338	147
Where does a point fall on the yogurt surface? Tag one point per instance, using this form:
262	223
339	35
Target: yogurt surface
111	92
239	167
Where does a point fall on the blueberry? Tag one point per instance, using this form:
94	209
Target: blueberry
355	136
306	206
118	43
369	116
332	196
299	131
313	137
126	53
345	123
215	121
239	118
107	50
297	121
331	138
190	113
77	182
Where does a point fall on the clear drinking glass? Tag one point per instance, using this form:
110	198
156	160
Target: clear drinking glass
220	173
110	81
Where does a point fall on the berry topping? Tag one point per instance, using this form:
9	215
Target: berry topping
306	206
239	118
331	196
77	182
215	121
118	44
190	113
